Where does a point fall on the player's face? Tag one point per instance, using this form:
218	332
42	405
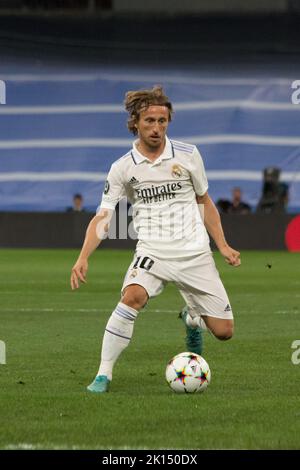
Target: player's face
152	126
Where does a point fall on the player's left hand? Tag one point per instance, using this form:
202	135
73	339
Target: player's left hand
231	256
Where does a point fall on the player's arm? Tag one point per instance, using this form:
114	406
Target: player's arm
97	230
212	222
98	227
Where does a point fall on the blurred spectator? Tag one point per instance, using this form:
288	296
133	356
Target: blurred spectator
223	205
235	206
275	194
77	204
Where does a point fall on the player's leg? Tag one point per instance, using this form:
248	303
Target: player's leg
138	286
118	333
221	328
206	298
197	320
119	329
194	336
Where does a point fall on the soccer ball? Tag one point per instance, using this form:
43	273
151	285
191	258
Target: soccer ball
188	373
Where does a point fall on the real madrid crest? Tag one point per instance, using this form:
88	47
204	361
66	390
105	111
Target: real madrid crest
176	171
134	273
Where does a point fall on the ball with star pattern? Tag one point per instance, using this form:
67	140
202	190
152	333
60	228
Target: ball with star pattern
188	372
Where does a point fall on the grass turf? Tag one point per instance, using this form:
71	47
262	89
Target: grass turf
53	338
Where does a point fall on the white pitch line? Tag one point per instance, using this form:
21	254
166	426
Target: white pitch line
52	446
284	312
28	446
59	283
95	310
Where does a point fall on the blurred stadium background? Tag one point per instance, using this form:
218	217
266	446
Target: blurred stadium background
228	66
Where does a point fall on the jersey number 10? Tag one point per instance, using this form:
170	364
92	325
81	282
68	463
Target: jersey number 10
145	263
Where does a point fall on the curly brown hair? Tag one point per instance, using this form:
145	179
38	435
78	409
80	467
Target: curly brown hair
140	100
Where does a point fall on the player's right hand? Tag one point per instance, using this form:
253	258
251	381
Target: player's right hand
78	273
232	257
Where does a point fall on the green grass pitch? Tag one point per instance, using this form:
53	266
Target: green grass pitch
53	338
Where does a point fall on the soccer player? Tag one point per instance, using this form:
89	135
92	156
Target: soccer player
165	182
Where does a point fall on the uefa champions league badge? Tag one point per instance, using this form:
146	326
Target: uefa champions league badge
2	92
106	187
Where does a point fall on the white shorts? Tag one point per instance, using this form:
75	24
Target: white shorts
197	279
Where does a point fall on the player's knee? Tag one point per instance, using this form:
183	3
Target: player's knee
222	329
225	333
135	296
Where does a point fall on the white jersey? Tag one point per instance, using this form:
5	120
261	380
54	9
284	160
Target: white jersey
163	196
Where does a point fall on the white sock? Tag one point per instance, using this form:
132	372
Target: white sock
117	336
196	321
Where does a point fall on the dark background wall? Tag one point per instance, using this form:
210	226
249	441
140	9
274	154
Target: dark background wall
224	34
42	230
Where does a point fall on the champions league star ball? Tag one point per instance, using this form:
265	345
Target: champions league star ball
188	373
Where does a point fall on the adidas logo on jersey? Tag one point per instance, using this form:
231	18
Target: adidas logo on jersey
228	308
133	180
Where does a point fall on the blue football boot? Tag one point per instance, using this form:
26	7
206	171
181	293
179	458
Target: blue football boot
100	384
194	339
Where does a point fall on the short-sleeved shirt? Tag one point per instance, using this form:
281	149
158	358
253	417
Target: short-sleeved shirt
163	196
